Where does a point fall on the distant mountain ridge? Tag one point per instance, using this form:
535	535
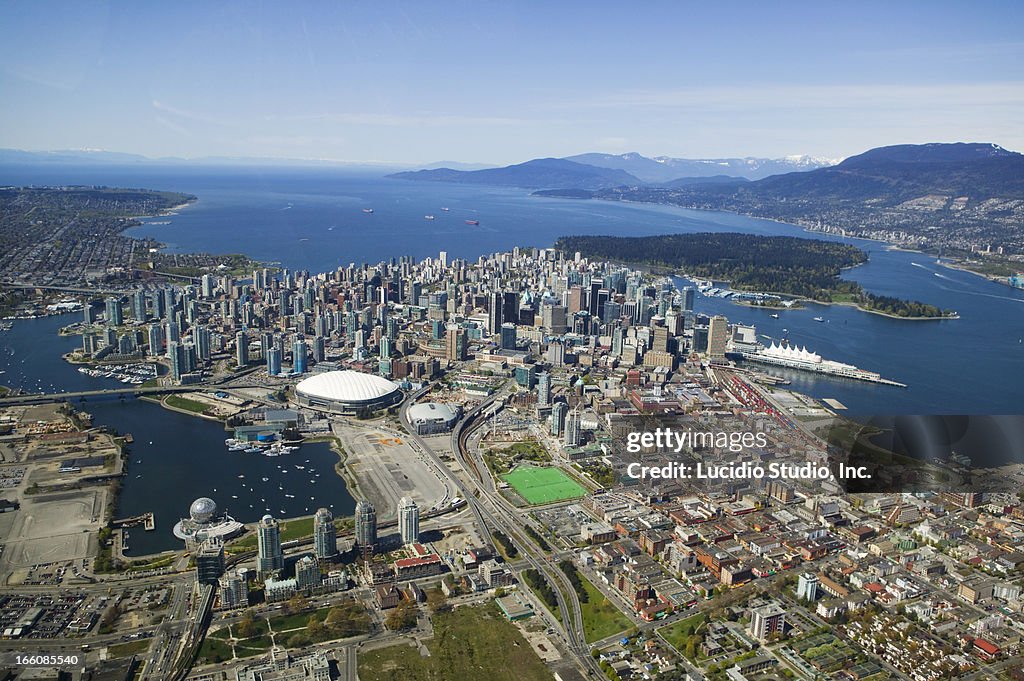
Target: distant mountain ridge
539	173
959	196
660	169
601	171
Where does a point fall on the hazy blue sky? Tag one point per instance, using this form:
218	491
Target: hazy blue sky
503	82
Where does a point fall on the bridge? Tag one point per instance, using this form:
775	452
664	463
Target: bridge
131	391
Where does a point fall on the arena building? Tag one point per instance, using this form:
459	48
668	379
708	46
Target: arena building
430	417
204	522
347	392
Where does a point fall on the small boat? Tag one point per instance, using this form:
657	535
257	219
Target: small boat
775	315
445	209
819	319
241	477
290	496
265	479
368	210
472	222
234	496
428	217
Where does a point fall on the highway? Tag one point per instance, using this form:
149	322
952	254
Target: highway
491	514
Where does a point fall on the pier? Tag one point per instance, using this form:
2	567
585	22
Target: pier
147	520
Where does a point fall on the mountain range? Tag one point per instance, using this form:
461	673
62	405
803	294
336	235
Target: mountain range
600	171
959	196
666	168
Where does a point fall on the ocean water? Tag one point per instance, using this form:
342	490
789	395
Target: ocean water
313	219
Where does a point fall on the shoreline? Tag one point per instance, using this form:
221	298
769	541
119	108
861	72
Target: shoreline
888	244
799	300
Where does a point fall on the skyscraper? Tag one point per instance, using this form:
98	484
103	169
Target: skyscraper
325	538
543	389
273	361
201	339
241	348
300	355
718	336
572	428
210	561
114	315
558	411
510	307
409	520
173	332
366	526
156	340
455	344
494	313
269	558
553	317
688	297
207	284
556	354
593	299
508	336
176	353
139	306
807	586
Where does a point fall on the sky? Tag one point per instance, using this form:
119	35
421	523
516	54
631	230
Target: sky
503	82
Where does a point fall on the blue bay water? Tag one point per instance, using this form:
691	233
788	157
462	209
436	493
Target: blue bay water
313	219
175	458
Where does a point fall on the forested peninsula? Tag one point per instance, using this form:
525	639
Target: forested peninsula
791	266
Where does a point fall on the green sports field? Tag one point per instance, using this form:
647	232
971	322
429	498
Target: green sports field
543	485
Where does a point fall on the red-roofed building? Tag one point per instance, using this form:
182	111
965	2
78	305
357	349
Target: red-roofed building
411	568
986	649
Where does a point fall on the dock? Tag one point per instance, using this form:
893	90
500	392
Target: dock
147	520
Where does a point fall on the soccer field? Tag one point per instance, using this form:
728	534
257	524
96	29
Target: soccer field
543	485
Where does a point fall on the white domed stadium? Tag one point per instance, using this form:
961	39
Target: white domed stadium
347	392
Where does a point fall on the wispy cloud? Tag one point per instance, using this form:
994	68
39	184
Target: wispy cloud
414	120
765	95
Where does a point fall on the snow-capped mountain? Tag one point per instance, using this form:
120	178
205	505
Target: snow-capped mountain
666	168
